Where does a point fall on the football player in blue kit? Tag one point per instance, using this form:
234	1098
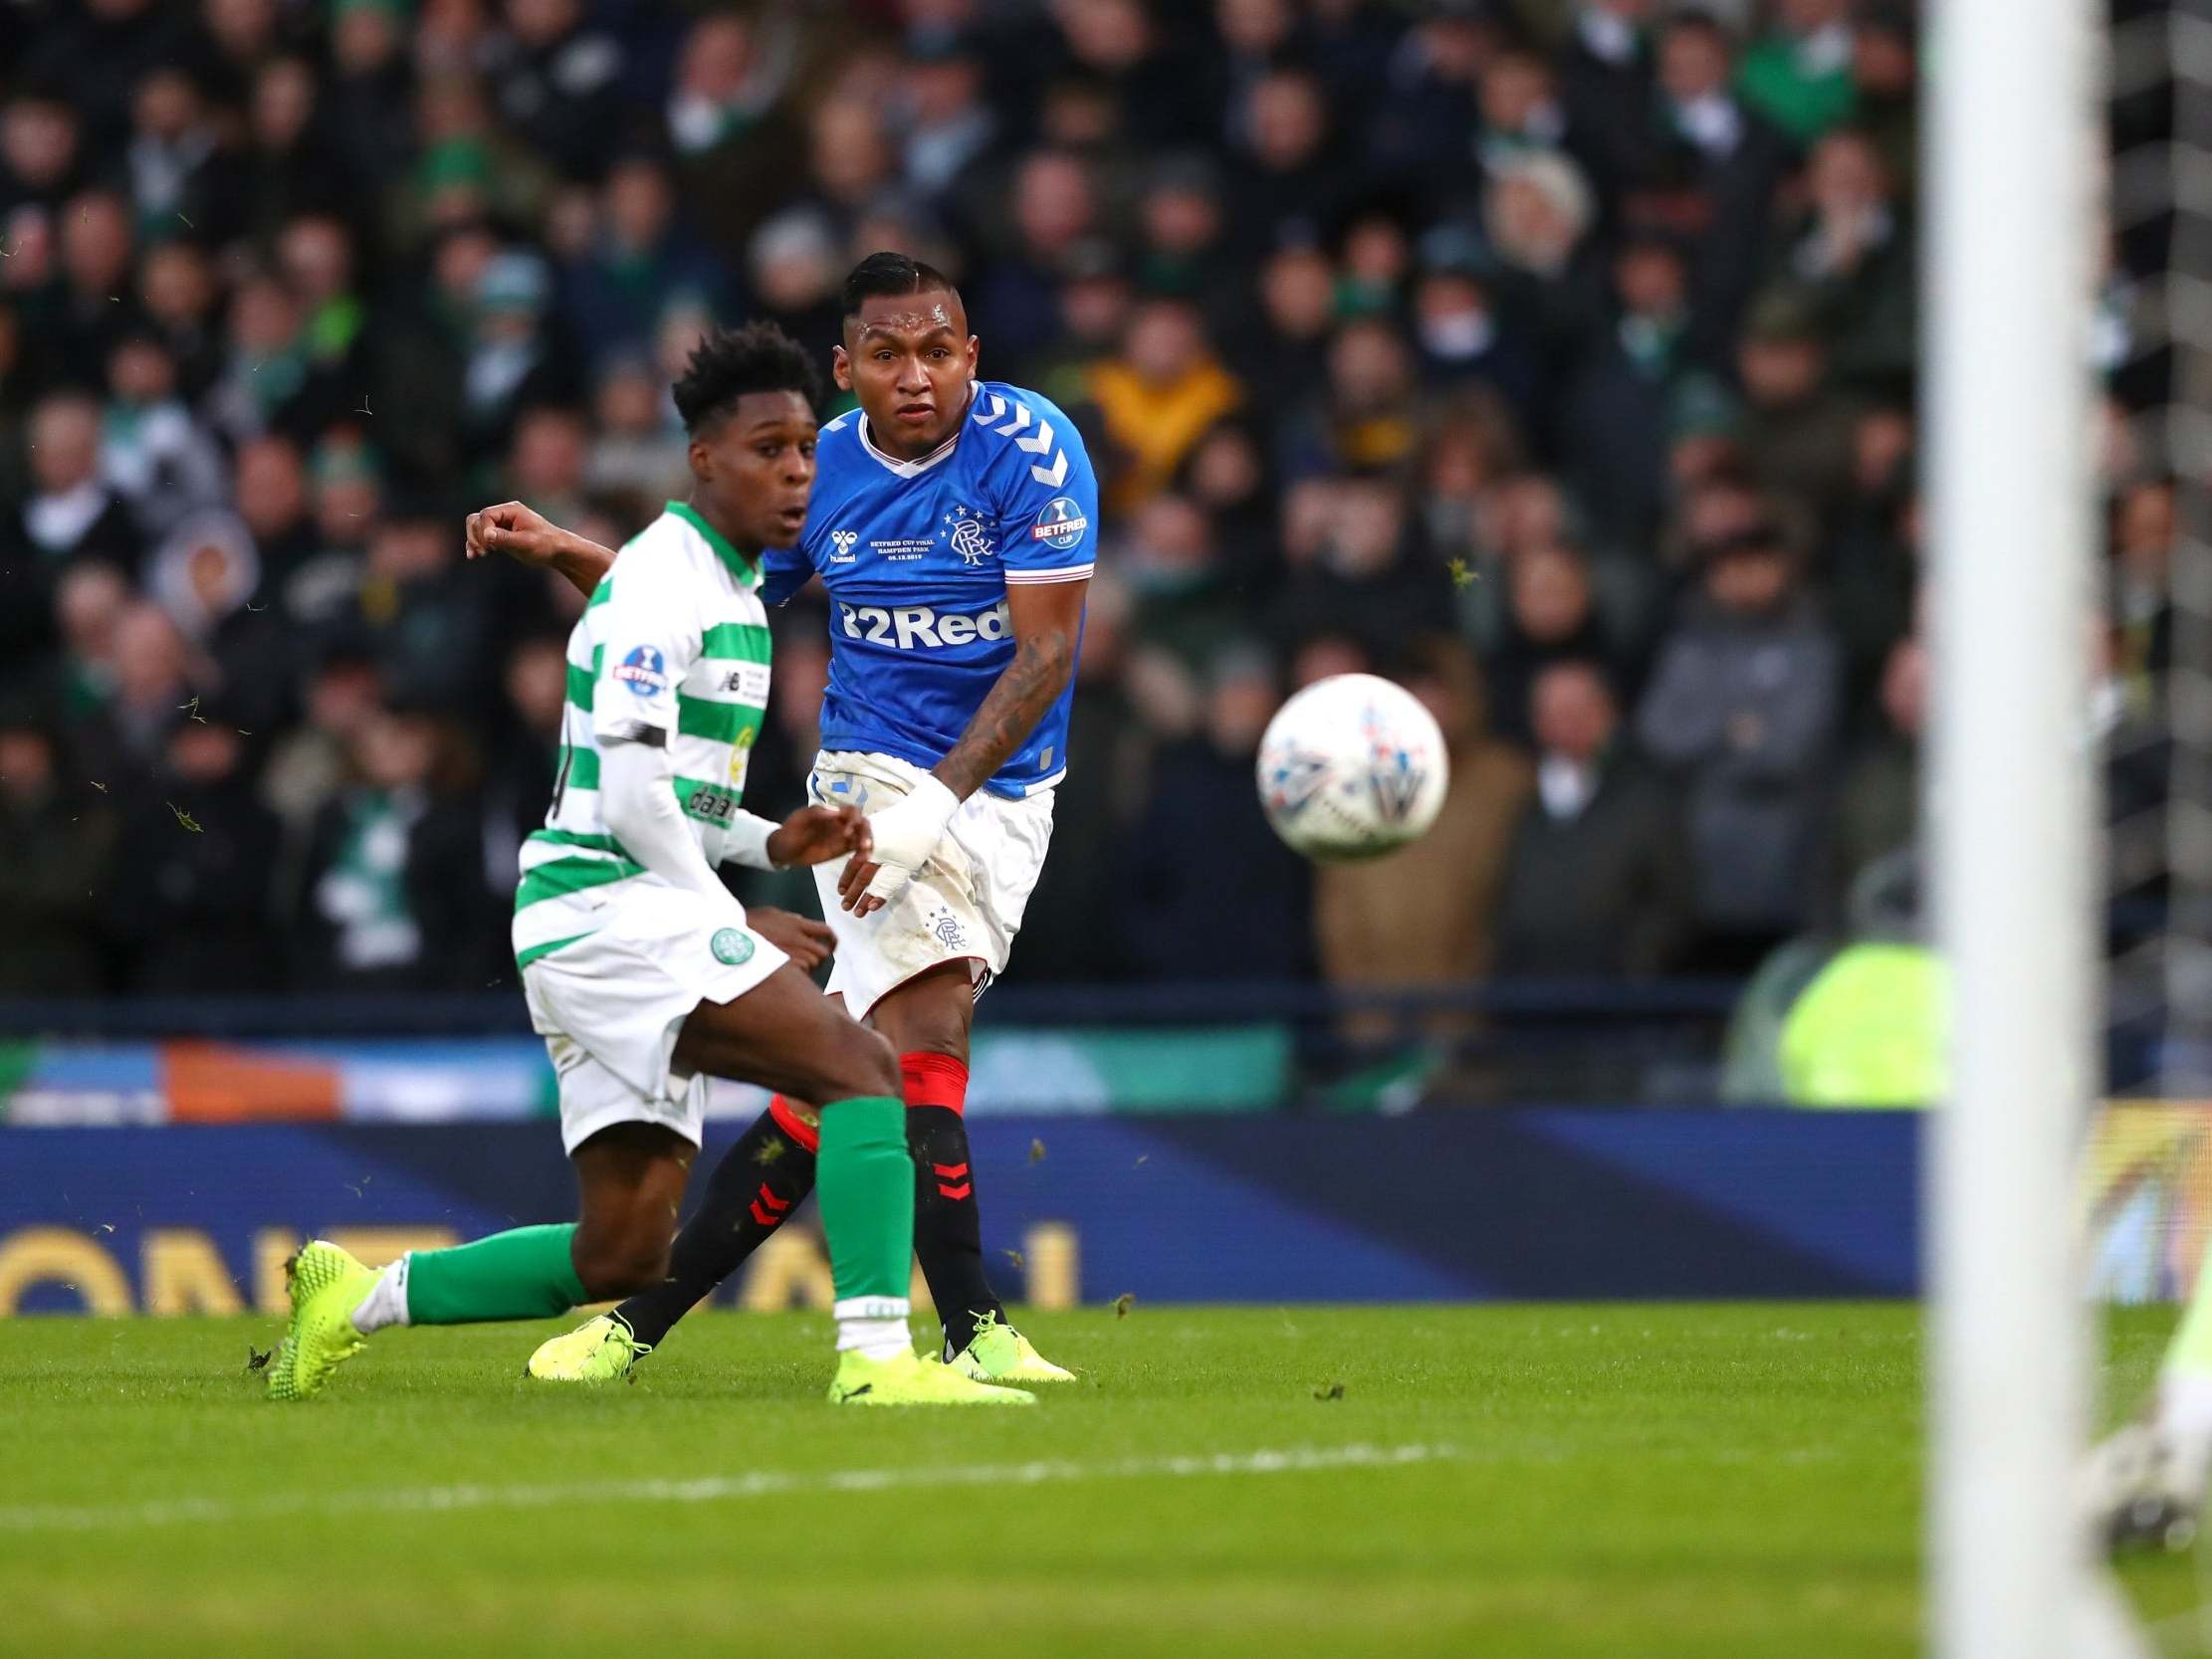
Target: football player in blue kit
954	525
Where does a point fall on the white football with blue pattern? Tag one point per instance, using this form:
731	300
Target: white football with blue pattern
1352	768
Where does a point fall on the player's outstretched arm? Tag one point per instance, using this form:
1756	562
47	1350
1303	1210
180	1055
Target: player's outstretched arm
638	801
529	537
1046	621
817	834
811	835
637	798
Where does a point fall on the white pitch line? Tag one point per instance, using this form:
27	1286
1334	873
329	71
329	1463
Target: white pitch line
712	1489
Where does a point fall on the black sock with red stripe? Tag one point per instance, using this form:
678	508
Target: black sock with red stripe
948	1225
754	1189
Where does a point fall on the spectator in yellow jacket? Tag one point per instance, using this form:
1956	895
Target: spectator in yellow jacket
1159	398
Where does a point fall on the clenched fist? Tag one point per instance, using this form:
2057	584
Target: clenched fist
521	533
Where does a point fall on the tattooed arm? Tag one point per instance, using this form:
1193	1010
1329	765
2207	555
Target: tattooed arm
1046	620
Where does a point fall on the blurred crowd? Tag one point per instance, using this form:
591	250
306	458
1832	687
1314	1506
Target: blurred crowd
1553	356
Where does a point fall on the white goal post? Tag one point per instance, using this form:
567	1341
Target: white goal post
2010	234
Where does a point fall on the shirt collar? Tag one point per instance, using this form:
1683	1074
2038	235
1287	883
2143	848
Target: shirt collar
914	469
1566	785
736	562
1609	36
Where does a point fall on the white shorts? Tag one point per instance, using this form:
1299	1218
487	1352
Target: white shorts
610	1007
965	903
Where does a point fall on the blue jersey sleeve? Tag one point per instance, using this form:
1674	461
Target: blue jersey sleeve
1047	496
784	571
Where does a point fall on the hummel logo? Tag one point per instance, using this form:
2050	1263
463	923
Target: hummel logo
843	540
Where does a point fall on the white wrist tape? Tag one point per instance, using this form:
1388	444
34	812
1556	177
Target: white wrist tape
907	833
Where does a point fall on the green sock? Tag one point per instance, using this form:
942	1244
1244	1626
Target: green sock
524	1273
864	1183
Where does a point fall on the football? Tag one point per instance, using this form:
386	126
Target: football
1352	768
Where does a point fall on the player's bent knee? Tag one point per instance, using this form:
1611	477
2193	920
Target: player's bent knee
620	1263
861	1062
930	1014
945	1039
883	1061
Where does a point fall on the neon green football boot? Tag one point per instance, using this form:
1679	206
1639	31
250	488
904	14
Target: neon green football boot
1000	1353
600	1349
327	1285
910	1380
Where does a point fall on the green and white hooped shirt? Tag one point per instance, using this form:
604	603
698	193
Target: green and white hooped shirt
675	641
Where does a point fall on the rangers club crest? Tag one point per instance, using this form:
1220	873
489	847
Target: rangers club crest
969	540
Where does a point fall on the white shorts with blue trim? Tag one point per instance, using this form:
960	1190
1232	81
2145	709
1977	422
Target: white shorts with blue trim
965	904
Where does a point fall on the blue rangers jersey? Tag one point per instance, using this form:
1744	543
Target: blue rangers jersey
918	556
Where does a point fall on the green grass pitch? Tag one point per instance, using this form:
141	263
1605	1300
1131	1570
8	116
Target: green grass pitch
1521	1482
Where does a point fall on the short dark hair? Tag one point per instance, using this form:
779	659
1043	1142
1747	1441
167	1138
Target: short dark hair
1696	20
892	275
730	363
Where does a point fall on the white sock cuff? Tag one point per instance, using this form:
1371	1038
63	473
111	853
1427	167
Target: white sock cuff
386	1302
874	1339
872	1307
2185	1404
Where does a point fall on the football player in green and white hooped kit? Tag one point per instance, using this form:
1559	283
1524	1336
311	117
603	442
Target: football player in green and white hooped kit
642	971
